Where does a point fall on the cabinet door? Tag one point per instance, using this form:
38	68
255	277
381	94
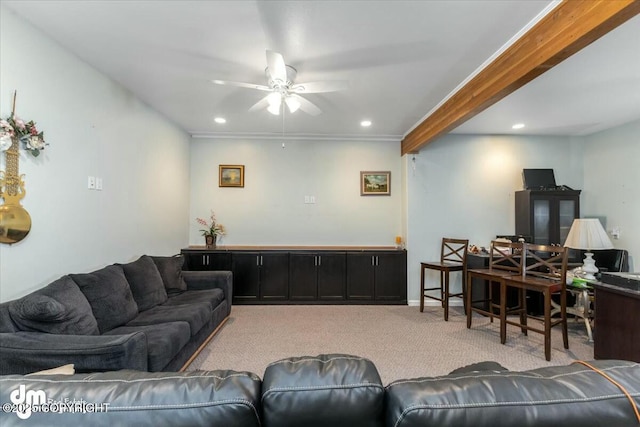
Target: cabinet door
246	276
542	221
274	276
390	276
567	212
360	267
332	268
219	261
303	276
196	261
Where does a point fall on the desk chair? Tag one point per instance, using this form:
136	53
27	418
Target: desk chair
547	274
453	257
505	260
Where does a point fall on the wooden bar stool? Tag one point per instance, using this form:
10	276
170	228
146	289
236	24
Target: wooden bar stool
505	260
453	257
547	274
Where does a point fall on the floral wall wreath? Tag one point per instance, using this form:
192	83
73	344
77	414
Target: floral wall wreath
26	133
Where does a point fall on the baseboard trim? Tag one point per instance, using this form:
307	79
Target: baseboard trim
203	345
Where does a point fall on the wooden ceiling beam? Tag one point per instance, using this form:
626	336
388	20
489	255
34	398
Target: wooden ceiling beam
569	27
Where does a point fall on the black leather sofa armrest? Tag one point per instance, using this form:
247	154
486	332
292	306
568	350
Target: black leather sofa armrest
27	352
197	280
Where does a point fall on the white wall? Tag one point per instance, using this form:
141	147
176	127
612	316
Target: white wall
94	127
463	186
612	184
270	209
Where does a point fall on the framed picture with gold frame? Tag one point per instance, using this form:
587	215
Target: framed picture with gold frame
231	176
375	183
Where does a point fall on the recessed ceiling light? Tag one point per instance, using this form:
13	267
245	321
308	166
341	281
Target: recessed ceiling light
220	120
517	126
365	123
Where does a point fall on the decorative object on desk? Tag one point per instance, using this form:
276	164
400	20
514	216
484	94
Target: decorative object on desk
15	221
212	231
231	176
588	234
399	242
375	183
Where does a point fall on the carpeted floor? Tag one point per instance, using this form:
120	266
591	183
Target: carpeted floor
401	341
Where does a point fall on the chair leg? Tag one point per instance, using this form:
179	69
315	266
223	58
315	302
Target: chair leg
468	299
490	283
524	316
421	289
563	314
522	306
503	312
445	297
547	325
442	289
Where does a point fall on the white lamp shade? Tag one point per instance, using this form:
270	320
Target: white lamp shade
588	233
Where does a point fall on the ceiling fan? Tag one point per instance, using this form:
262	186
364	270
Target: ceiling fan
283	89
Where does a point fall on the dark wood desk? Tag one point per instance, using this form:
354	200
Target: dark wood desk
617	323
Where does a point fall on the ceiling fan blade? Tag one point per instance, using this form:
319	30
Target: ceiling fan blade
262	104
241	84
277	67
306	105
320	87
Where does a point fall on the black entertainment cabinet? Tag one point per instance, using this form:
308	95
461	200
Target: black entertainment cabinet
308	275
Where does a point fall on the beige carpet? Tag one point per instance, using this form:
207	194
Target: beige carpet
401	341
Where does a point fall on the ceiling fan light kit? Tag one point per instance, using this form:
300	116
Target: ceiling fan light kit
283	90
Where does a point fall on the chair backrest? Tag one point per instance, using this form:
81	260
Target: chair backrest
506	256
546	262
454	250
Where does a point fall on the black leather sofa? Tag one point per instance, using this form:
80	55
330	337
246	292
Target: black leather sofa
333	390
145	315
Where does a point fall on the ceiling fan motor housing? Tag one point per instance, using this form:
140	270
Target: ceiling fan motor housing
291	78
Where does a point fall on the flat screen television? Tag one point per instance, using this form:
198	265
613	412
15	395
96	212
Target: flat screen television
538	179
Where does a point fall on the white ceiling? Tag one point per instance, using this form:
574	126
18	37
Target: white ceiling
400	59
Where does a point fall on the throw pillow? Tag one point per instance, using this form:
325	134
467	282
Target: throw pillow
58	308
488	366
60	370
109	295
146	283
170	269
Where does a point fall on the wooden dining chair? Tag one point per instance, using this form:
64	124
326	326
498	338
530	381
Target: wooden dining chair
505	260
546	273
453	257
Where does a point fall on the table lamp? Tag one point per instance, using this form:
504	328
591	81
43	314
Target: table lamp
588	234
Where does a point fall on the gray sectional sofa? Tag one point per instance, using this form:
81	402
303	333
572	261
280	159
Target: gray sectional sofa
334	390
145	315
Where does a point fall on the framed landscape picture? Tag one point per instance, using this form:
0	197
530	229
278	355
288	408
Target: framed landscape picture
231	176
375	183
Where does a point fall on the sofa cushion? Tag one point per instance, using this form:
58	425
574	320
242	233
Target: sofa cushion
58	308
488	366
164	341
108	292
196	314
335	390
170	268
145	282
212	296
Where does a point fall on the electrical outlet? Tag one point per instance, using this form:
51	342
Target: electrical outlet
312	199
98	183
91	183
615	233
307	200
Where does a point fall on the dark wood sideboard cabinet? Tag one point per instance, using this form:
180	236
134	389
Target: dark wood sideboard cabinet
308	275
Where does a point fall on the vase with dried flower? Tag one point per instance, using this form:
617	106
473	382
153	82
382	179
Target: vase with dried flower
212	231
